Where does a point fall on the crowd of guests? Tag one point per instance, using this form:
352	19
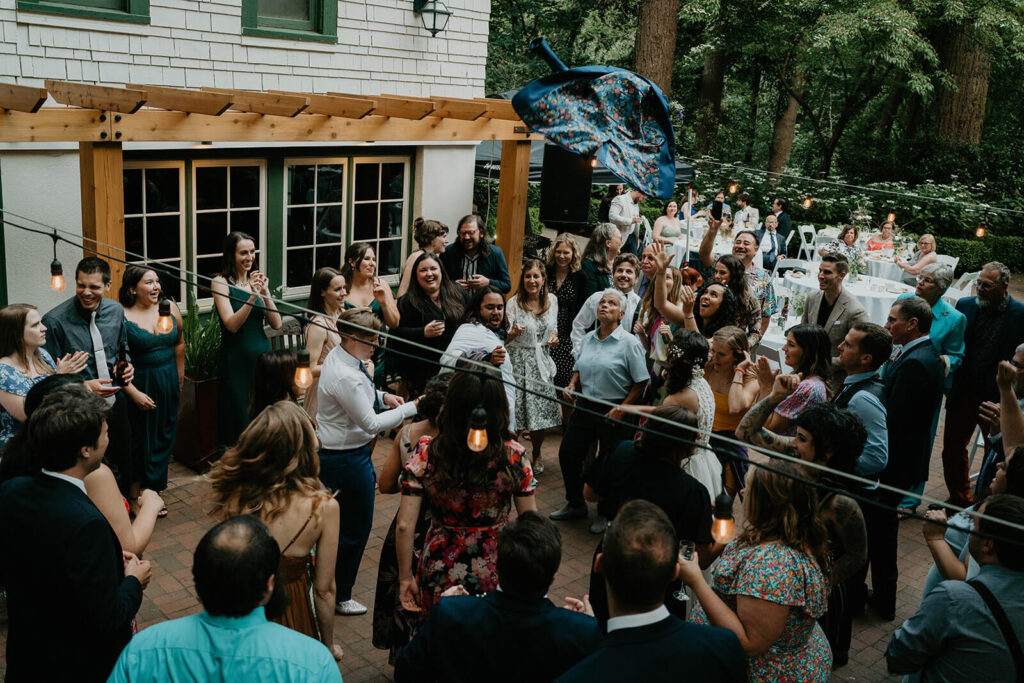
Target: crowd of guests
650	371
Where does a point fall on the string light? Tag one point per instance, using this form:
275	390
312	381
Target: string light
593	162
733	188
303	375
57	282
808	202
891	217
980	232
164	323
476	439
724	527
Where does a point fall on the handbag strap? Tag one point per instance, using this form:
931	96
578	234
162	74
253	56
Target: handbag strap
1004	625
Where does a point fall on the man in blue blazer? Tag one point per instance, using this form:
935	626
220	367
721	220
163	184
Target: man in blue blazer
71	592
644	642
471	262
913	385
511	634
995	326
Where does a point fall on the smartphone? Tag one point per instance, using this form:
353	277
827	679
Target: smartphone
716	210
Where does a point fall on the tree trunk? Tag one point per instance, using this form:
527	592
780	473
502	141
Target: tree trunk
962	110
656	41
712	85
755	98
892	105
782	138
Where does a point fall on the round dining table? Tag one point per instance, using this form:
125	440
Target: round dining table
875	294
883	267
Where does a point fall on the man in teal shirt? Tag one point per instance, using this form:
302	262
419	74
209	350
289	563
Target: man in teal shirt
231	640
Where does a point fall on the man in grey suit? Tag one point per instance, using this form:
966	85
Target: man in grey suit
832	307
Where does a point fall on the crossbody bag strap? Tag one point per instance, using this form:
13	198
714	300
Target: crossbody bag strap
1004	625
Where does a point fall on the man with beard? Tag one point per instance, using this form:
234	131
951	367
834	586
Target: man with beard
744	247
471	262
995	326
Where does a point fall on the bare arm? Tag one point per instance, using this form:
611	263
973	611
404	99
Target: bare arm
752	427
179	344
388	481
678	314
525	504
1011	420
403	286
708	241
316	337
233	320
102	490
922	262
324	587
949	565
408	513
13	404
388	307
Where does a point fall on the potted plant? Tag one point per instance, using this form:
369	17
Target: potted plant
197	422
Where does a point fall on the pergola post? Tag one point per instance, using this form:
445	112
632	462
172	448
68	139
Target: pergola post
102	173
513	182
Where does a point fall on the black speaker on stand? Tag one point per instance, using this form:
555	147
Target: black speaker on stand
565	190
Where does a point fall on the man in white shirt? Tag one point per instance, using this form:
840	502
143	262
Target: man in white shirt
625	270
625	214
351	412
747	216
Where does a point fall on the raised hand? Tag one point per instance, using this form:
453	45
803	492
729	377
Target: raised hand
72	363
661	256
686	298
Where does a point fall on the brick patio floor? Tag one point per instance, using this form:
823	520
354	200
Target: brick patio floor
171	594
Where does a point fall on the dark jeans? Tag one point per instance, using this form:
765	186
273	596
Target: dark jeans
883	536
582	432
351	474
961	419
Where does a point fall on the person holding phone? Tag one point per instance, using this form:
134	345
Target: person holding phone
365	290
722	209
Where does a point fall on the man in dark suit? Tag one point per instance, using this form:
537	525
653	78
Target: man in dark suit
511	634
645	642
914	380
471	262
779	206
770	243
995	326
71	592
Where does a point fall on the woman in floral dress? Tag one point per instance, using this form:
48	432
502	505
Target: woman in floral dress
566	283
771	584
470	495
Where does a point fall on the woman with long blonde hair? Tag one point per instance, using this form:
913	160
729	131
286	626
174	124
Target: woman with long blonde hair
272	472
565	282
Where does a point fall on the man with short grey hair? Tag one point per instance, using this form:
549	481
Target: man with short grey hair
995	326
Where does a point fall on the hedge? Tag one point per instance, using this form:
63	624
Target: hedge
975	253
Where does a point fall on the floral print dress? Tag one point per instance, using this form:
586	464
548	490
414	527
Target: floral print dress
786	576
461	545
17	383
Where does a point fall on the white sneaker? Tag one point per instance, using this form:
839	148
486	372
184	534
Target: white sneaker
350	608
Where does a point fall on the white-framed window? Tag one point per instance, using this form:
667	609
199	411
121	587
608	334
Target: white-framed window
227	195
315	219
154	220
380	210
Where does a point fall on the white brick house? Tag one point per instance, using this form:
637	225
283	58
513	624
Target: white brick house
180	198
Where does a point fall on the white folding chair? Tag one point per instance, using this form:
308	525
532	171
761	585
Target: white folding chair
774	356
946	260
807	237
965	284
978	441
787	263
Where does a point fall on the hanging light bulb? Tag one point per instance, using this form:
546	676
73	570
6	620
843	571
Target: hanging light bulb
808	202
164	323
733	188
57	282
593	162
891	217
980	232
724	527
303	375
476	440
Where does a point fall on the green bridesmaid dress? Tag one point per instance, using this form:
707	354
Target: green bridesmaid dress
236	364
156	375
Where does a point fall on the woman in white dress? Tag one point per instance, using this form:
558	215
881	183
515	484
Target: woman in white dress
669	231
533	315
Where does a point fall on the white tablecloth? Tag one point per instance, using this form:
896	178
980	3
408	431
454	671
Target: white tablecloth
875	294
883	268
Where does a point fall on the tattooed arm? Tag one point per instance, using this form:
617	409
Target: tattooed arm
751	428
846	524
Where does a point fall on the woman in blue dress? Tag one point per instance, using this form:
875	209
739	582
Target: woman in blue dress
24	361
159	359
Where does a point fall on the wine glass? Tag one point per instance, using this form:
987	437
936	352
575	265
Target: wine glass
686	549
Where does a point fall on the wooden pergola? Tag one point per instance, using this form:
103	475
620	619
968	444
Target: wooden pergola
101	119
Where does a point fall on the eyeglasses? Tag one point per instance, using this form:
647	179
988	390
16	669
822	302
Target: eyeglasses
982	284
1016	364
925	280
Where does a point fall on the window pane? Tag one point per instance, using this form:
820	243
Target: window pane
132	238
365	223
210	231
210	267
389	256
328	257
163	237
299	267
168	273
300	184
330	185
245	186
247	222
391	219
366	181
392	181
133	191
211	187
284	9
162	191
300	226
328	224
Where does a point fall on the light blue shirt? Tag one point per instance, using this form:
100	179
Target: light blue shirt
609	367
871	412
203	647
947	335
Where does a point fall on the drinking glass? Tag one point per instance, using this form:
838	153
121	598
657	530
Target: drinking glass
686	549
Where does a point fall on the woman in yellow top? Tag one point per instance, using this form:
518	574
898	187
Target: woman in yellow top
733	381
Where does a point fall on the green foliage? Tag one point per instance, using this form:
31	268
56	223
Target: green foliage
202	342
974	253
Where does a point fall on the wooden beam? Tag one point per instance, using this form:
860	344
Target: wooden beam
499	109
123	100
513	181
171	126
453	108
101	168
414	108
54	124
263	103
334	105
191	101
21	97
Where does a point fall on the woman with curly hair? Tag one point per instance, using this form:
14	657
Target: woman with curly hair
272	472
717	307
771	584
729	271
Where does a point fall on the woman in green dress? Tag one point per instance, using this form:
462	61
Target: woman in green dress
242	296
158	354
365	290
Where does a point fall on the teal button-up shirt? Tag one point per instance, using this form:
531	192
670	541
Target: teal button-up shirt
203	647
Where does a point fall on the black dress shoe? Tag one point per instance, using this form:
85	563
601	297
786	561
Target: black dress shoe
885	611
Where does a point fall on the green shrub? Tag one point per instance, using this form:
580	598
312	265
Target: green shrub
974	253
